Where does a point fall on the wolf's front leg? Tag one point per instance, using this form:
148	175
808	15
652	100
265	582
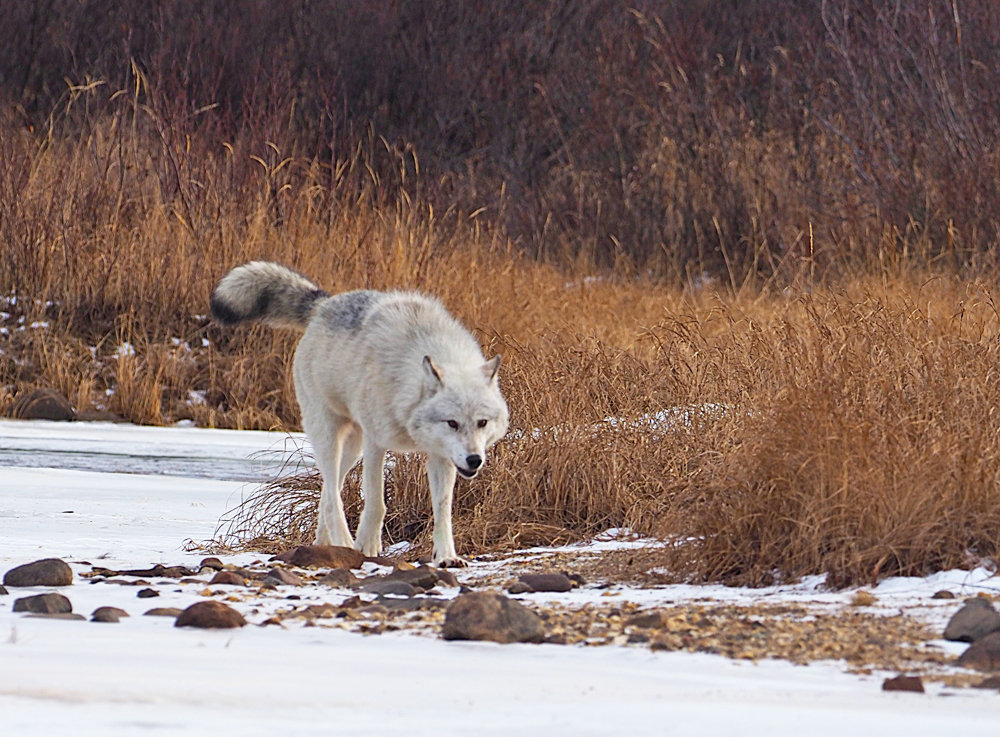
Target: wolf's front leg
328	436
369	539
441	477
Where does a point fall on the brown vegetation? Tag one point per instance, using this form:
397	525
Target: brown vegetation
742	275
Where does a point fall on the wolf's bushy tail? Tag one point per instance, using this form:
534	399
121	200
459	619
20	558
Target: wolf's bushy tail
266	291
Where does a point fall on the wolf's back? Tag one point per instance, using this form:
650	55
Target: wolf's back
266	291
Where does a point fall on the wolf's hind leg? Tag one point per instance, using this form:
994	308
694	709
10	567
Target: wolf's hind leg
369	539
330	437
441	477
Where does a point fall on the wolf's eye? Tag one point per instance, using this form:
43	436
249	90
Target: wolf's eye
452	424
481	423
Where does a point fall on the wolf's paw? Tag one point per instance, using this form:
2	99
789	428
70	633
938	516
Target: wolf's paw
455	562
370	548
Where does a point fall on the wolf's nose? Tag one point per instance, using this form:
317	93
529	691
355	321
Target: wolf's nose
474	461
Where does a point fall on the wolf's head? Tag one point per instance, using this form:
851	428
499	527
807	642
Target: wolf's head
461	413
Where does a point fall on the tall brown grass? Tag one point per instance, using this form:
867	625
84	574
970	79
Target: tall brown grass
733	316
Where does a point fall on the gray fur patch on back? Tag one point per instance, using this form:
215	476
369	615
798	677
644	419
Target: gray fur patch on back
348	310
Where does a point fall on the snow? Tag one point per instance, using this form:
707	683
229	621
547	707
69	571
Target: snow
145	676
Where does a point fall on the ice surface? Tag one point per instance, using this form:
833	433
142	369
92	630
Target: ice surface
145	676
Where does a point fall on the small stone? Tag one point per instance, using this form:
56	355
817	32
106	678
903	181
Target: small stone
97	415
973	621
903	683
210	615
649	620
412	604
446	577
227	578
991	682
339	578
384	586
381	560
519	587
43	404
323	556
214	563
423	577
47	572
193	580
281	577
943	594
163	611
107	614
553	582
864	598
485	615
44	604
3	591
576	578
372	610
60	615
983	654
147	593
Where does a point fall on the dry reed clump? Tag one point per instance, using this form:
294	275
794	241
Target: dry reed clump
851	432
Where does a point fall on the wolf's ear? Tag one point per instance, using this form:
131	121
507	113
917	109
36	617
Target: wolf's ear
432	374
491	367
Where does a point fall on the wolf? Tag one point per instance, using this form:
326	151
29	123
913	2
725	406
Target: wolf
374	372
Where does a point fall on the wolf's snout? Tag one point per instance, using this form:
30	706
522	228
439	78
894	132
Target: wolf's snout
474	461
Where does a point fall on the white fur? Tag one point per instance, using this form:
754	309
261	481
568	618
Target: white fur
381	371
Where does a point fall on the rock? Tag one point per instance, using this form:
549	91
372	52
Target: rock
446	577
983	654
98	415
649	620
43	404
3	591
371	610
555	582
943	594
412	604
210	615
576	578
323	556
903	683
384	586
227	578
214	563
280	576
164	611
47	572
339	578
973	621
423	577
60	615
44	604
484	615
519	587
159	570
991	682
381	560
148	593
107	614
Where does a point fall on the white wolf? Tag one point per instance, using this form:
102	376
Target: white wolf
377	371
